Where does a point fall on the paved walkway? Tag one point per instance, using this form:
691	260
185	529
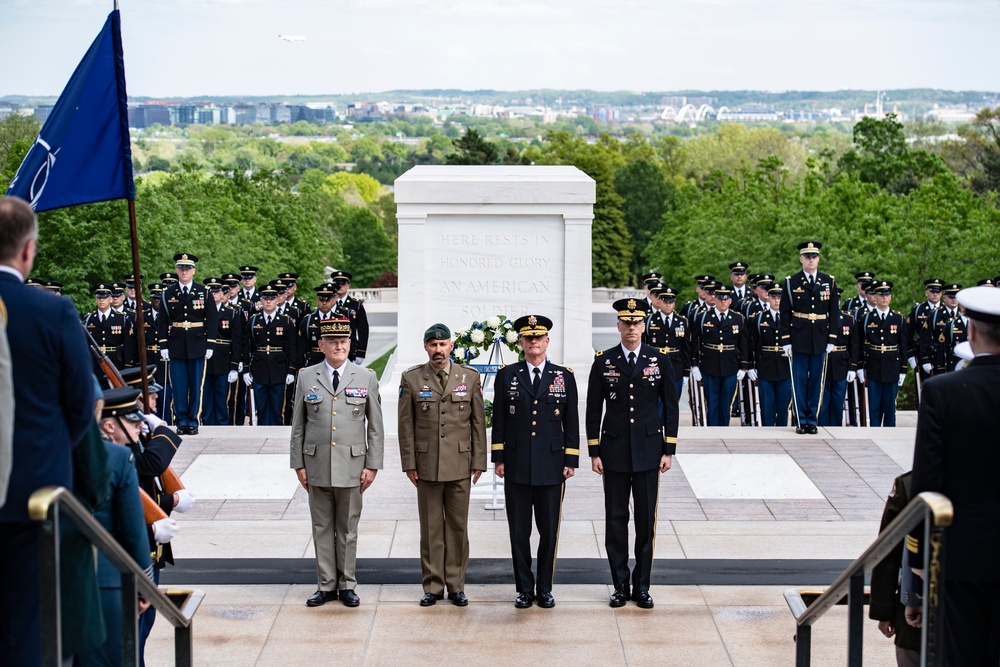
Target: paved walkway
734	493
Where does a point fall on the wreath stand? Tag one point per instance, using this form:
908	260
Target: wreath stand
488	372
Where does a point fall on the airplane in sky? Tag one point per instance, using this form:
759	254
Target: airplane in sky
292	38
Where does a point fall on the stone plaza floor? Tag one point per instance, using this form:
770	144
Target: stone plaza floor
737	500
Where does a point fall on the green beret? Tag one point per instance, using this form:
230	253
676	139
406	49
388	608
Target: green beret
437	332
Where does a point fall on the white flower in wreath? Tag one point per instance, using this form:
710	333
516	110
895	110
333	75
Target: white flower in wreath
460	352
477	336
493	322
511	337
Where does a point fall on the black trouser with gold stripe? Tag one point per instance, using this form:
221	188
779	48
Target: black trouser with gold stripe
546	501
644	488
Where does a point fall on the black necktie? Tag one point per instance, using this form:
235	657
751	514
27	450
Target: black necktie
631	360
537	381
336	379
810	281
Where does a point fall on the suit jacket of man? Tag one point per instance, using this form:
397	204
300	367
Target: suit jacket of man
187	323
271	348
846	350
337	434
672	333
354	310
879	364
53	390
956	454
809	313
6	407
709	332
766	353
442	434
228	344
535	433
632	437
115	335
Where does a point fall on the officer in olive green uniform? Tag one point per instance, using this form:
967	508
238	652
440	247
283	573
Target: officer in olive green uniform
442	444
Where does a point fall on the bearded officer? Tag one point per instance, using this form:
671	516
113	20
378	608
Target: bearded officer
336	451
631	445
536	440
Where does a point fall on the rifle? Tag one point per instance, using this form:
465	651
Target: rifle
755	396
107	366
693	403
700	393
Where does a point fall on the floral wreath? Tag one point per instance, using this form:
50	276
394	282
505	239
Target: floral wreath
471	342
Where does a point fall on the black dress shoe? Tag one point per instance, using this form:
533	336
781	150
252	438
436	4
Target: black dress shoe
523	600
546	601
801	430
350	598
619	597
192	430
811	429
643	600
320	598
182	430
430	599
458	599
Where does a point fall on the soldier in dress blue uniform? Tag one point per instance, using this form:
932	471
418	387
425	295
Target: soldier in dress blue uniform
918	316
536	448
113	332
132	300
770	365
862	279
868	305
689	307
249	293
54	286
945	329
309	327
354	310
810	313
186	328
300	307
738	276
758	302
841	367
649	281
632	445
883	338
670	332
150	322
268	361
719	355
118	297
221	371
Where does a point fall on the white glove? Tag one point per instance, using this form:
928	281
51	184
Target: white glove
927	368
185	500
752	374
902	377
740	374
165	530
247	379
696	374
239	369
290	378
961	364
154	421
787	349
359	361
850	376
829	348
165	354
913	362
861	375
232	376
208	354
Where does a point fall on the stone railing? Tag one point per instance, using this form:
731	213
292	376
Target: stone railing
598	294
376	294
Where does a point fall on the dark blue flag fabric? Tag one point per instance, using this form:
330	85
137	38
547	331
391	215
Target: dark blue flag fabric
83	153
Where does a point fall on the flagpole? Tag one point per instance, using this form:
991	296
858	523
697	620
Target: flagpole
139	314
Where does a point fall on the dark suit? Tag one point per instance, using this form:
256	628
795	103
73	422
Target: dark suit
186	326
956	454
54	398
536	433
809	317
630	441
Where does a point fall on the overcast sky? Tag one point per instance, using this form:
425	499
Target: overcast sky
231	47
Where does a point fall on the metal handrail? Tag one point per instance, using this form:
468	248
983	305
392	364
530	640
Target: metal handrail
46	506
936	511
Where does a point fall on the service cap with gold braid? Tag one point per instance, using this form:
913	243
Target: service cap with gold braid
183	259
102	290
631	310
335	328
809	247
133	378
122	402
532	325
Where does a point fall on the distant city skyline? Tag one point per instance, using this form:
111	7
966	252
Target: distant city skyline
190	48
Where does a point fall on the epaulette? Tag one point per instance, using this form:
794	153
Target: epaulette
569	369
502	366
832	278
598	353
413	368
788	277
663	350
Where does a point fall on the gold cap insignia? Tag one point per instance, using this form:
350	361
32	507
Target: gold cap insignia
631	304
532	320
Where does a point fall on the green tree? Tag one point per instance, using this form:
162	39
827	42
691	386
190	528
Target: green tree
472	148
647	196
17	134
882	156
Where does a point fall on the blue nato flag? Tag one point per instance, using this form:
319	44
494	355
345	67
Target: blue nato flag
82	153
